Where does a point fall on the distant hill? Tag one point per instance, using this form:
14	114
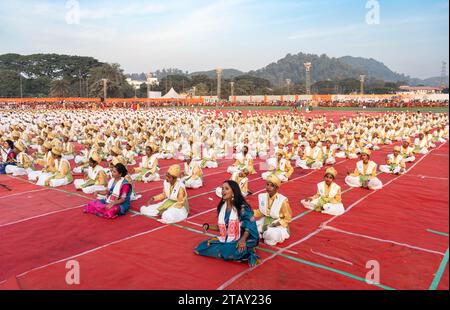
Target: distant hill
227	73
291	67
325	68
433	81
373	69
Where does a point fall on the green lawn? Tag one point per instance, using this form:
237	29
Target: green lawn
275	108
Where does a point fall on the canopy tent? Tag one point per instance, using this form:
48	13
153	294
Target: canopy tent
172	94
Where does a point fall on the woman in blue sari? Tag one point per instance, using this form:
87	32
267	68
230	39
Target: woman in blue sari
118	195
238	233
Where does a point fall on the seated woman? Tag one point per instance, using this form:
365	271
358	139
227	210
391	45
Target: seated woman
237	227
174	208
118	195
365	174
328	197
8	156
193	175
243	160
148	168
274	213
62	174
395	163
95	179
282	169
24	162
312	156
241	178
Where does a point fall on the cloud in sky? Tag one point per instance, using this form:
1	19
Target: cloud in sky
411	38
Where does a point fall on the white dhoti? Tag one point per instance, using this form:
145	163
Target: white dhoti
21	171
147	177
303	164
78	170
94	188
78	183
44	176
423	151
272	235
340	155
166	156
80	159
233	169
374	183
17	171
211	164
190	183
58	182
34	175
330	161
262	154
151	210
328	208
174	215
387	169
410	159
68	157
333	209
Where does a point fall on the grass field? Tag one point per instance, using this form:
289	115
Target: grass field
283	108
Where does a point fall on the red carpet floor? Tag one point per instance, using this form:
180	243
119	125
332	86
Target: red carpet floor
404	227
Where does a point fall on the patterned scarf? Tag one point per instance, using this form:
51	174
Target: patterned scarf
233	233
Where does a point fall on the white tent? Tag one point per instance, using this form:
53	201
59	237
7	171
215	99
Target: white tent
172	94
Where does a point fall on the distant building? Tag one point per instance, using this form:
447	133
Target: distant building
152	81
421	90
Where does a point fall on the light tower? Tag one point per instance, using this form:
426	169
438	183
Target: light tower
362	79
149	77
443	75
104	88
232	88
308	67
219	72
288	84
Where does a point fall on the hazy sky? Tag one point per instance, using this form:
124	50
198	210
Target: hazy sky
411	37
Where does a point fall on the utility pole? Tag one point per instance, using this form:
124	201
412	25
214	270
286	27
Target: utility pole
308	66
443	75
79	76
219	72
21	88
